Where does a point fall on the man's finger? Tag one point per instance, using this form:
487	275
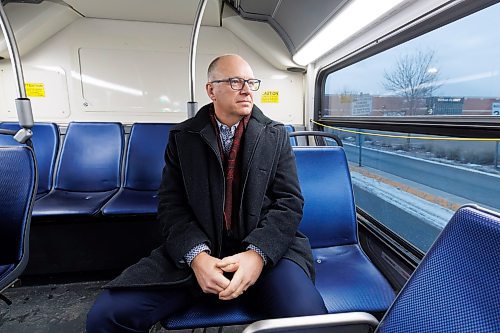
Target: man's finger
226	261
222	282
230	268
232	288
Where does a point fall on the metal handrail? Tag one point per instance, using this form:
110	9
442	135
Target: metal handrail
319	137
192	104
23	104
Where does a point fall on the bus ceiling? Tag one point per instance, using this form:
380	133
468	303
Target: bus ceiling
280	31
36	21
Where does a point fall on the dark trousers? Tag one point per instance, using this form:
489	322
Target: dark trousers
282	291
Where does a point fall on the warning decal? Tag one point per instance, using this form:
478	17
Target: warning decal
35	89
270	97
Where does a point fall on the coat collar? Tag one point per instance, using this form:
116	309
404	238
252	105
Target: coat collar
202	120
201	124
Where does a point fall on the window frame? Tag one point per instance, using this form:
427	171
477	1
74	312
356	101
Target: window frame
457	126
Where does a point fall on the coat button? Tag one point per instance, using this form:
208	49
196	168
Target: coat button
318	261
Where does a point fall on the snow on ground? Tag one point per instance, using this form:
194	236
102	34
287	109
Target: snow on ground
429	212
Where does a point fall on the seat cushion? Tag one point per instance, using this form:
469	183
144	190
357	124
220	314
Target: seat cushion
60	202
132	202
210	313
348	281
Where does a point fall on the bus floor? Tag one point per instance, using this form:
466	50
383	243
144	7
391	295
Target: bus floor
59	308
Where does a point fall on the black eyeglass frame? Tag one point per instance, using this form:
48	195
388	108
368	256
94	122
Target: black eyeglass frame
254	81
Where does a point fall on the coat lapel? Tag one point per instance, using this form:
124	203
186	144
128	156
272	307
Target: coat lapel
253	132
202	126
208	134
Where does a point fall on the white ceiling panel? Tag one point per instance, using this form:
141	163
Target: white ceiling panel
165	11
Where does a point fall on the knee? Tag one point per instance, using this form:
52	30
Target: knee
107	314
312	305
99	315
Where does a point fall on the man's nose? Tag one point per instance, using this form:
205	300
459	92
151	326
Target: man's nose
245	89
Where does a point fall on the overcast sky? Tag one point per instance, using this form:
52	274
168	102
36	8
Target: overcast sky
467	59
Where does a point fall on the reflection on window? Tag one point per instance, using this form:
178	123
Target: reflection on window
413	184
450	71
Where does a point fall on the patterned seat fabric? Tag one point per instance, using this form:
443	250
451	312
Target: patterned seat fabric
456	286
18	181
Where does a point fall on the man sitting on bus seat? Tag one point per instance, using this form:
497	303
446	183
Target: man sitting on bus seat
230	206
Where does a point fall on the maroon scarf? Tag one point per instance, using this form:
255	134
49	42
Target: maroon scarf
232	170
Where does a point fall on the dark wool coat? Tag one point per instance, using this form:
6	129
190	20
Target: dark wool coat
191	199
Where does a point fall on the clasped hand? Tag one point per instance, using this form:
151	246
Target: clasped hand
209	271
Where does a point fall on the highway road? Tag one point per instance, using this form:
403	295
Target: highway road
476	186
397	190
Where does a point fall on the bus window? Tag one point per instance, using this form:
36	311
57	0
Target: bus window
413	182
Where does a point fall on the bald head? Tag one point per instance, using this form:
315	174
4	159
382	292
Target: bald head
217	66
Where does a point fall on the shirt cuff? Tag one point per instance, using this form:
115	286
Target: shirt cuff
259	251
202	247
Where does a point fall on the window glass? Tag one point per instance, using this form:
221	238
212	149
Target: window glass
413	183
453	70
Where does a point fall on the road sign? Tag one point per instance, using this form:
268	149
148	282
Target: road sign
495	109
361	105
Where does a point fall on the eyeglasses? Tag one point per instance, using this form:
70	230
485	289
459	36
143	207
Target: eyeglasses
238	83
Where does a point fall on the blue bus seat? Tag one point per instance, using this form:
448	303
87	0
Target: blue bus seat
18	181
456	286
453	289
345	277
212	313
143	169
89	169
46	146
290	129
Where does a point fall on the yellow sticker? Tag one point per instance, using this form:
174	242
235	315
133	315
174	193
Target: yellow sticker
35	89
270	97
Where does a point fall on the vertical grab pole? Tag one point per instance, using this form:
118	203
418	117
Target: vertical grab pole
23	104
192	105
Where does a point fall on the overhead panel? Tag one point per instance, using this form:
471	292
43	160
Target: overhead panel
259	8
294	20
172	11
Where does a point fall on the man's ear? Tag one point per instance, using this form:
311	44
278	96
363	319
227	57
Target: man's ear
210	91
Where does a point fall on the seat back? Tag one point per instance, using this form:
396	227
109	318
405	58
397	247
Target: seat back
290	129
145	156
456	286
18	181
91	157
329	211
46	145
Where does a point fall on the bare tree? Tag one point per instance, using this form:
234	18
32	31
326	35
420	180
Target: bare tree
413	78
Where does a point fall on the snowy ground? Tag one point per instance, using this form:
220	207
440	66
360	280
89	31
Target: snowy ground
424	210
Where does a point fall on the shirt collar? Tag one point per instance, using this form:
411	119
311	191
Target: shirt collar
232	128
